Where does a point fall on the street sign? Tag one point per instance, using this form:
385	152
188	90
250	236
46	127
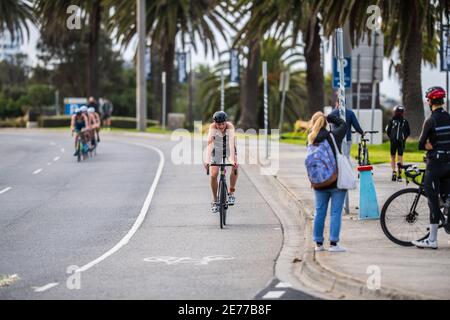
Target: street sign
347	73
148	63
234	66
70	104
182	75
366	54
445	48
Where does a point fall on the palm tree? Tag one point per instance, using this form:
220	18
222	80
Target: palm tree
166	19
404	23
14	15
52	16
280	57
289	16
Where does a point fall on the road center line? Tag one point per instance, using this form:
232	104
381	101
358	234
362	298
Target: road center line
5	190
37	171
273	294
46	287
139	219
56	159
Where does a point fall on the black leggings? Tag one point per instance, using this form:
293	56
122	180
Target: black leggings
437	180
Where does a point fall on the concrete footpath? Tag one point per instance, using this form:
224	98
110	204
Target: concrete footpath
405	272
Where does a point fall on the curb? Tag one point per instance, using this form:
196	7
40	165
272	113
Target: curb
329	282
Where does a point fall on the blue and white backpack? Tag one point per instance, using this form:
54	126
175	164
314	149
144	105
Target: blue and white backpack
321	164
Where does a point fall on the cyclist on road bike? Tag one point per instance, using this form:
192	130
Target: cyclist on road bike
79	123
94	121
398	131
435	138
217	130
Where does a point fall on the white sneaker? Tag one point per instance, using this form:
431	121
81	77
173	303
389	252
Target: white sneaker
231	199
336	248
319	248
214	207
426	243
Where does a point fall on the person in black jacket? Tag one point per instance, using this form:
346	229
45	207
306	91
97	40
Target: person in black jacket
319	133
435	138
398	131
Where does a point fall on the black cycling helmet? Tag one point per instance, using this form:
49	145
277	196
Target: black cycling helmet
220	117
399	109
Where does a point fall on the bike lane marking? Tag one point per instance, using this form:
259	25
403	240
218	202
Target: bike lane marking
46	287
37	171
139	219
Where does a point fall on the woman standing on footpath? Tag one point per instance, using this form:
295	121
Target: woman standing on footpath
319	133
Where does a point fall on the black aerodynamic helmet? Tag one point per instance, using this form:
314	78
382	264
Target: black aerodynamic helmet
220	117
399	109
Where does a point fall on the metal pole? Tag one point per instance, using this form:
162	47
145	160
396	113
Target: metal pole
374	83
358	92
191	75
57	102
222	91
141	83
447	90
163	80
283	101
341	61
266	108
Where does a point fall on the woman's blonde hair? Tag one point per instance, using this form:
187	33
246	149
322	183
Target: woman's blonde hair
317	122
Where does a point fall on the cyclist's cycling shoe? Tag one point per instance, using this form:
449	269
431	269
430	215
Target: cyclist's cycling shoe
425	244
394	176
399	177
231	199
214	207
76	153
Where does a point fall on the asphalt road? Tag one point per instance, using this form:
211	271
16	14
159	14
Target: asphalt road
57	216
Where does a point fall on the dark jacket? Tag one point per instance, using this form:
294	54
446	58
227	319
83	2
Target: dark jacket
351	120
398	129
338	130
436	129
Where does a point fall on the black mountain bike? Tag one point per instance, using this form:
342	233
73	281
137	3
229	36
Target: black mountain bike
363	151
222	191
405	215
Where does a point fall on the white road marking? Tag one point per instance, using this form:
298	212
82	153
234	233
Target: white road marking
62	150
37	171
46	287
5	190
49	163
52	143
139	219
197	262
56	159
8	280
273	294
283	285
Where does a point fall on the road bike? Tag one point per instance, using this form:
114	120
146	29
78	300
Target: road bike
222	190
363	150
405	214
81	146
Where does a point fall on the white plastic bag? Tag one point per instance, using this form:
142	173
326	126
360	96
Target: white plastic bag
346	177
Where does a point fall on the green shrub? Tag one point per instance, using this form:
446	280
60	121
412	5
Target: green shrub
54	121
13	123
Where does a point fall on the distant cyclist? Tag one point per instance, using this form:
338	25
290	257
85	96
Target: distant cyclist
435	138
94	121
217	130
79	124
398	131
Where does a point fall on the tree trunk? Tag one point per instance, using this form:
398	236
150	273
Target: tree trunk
412	81
249	102
94	36
156	81
314	70
168	67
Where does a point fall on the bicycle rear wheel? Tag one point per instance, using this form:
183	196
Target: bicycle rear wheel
405	217
79	150
222	203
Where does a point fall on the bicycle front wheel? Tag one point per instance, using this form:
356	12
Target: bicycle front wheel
405	217
222	204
